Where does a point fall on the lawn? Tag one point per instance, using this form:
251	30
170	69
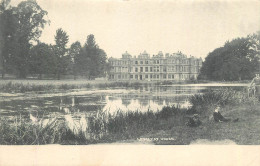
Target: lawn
244	132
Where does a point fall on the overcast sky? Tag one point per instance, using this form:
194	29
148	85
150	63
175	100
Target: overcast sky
193	27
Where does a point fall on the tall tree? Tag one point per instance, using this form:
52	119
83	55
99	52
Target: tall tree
230	62
74	53
61	41
7	30
92	59
42	60
254	48
30	22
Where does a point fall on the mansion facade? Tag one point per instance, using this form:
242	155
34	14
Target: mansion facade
168	67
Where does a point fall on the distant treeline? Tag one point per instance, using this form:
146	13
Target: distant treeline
22	54
236	60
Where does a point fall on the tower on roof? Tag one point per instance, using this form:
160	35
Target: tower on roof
126	55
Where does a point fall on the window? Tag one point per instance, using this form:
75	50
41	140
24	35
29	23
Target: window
146	76
136	62
131	76
169	76
151	76
158	76
119	76
151	69
164	69
136	77
156	68
164	76
173	76
146	62
141	62
146	69
141	69
136	69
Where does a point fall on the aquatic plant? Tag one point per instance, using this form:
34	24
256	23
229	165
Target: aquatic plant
102	127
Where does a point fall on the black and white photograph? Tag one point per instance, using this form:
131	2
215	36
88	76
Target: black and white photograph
127	72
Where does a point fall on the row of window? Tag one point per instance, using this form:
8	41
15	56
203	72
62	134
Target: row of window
164	61
155	69
151	76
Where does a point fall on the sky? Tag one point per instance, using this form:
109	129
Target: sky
192	27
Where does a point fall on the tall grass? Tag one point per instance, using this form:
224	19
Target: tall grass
103	127
29	87
207	102
22	87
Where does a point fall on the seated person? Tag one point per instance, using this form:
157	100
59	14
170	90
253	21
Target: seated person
193	121
218	117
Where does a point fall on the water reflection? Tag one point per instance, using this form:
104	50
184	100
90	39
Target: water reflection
79	103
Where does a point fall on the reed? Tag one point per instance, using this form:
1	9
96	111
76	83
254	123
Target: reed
102	127
207	102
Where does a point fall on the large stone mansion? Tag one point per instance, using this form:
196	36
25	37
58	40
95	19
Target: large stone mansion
168	67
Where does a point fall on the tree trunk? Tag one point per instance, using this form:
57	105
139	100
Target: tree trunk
58	75
40	76
22	74
3	71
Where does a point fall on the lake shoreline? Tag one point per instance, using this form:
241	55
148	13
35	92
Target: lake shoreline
166	127
22	86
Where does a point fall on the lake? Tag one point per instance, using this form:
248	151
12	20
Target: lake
87	101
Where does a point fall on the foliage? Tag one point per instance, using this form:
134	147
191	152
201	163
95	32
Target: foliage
74	53
234	61
7	39
21	53
30	20
61	40
91	61
102	127
206	103
42	59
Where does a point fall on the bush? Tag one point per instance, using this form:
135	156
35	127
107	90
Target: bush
204	103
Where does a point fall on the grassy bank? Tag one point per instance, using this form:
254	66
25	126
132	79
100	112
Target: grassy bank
167	126
104	127
234	104
22	86
28	86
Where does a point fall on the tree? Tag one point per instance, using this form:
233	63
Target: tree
42	60
254	48
233	61
74	53
7	31
29	24
61	40
92	61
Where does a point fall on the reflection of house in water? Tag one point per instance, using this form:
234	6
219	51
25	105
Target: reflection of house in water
143	98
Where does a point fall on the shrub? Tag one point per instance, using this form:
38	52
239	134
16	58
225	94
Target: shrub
204	103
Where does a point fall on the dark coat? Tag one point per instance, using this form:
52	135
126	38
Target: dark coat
218	117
